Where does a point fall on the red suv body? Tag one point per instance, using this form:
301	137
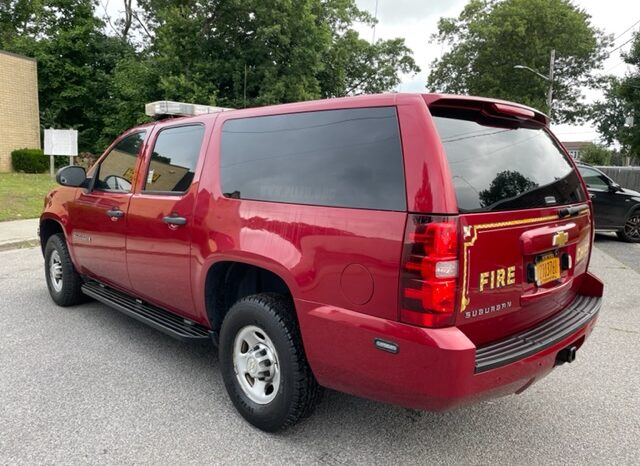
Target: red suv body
435	248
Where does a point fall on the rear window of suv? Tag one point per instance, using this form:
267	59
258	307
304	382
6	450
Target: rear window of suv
338	158
504	166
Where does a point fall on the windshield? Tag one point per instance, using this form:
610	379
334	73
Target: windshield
504	167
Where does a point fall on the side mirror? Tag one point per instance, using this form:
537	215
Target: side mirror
614	187
71	175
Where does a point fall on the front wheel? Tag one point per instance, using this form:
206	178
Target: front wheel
263	363
631	231
62	279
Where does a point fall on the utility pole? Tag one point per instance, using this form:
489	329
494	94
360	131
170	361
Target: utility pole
375	17
244	92
549	79
552	61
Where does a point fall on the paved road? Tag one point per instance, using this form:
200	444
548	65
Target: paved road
627	253
89	385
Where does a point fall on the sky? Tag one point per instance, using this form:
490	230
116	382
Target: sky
416	20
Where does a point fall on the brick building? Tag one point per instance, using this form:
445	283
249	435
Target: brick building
19	112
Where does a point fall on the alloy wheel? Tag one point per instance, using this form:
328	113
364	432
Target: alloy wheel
632	227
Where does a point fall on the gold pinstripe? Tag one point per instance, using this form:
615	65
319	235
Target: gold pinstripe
464	301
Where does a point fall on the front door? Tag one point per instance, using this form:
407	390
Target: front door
99	216
160	218
608	206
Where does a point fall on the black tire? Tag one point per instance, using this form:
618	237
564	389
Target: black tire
67	292
631	231
298	391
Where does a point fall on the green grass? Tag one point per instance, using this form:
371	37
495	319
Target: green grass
22	194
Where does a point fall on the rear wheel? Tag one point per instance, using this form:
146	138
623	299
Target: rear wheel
263	363
631	230
62	279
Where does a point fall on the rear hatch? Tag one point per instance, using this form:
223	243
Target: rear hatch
524	228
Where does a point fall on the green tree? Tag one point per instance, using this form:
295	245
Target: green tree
355	66
95	75
257	52
75	62
506	185
621	100
491	36
595	154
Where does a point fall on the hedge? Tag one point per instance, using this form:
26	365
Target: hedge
34	161
29	161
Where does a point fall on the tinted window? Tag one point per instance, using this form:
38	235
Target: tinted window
174	159
342	158
504	167
593	179
116	170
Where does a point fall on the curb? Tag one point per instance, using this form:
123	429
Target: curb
29	243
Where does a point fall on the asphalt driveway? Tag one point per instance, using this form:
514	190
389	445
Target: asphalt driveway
88	385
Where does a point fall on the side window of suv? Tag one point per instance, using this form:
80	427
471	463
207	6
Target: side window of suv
337	158
593	179
116	170
174	159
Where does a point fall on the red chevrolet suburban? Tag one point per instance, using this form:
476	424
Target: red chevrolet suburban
425	250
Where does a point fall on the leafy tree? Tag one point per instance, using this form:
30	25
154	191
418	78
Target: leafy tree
491	36
621	100
75	62
257	52
595	154
355	66
507	184
96	74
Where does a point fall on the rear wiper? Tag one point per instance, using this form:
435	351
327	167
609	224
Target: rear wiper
572	211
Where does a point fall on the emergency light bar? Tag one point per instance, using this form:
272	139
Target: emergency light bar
165	108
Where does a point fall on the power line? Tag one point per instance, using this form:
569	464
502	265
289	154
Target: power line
614	66
621	45
625	31
559	133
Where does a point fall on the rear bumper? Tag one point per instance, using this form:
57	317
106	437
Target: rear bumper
437	369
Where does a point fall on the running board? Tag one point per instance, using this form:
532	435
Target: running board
160	319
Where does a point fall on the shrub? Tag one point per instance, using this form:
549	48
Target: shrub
59	161
29	161
595	155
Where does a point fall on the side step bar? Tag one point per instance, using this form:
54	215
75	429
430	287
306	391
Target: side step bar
160	319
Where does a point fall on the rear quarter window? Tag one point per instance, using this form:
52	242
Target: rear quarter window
504	166
340	158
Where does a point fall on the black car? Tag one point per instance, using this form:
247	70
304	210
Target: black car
615	208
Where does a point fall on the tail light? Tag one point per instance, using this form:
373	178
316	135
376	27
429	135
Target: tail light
429	276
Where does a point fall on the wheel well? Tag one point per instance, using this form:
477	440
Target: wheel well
48	228
227	282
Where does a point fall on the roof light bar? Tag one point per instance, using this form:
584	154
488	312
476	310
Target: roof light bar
163	108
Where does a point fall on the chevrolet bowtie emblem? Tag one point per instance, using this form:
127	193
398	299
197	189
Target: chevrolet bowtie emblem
560	239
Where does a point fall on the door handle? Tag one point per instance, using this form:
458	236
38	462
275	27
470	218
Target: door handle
591	195
174	219
115	213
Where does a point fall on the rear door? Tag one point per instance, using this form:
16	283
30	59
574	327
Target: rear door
161	217
524	221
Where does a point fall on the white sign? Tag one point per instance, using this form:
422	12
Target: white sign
60	142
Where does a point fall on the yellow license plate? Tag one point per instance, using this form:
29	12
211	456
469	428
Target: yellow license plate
547	270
